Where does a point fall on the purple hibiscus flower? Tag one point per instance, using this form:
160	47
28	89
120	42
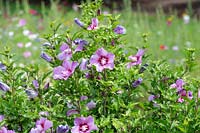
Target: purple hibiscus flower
91	105
120	30
66	52
178	85
64	71
151	98
84	125
135	59
80	44
102	59
93	25
5	130
42	125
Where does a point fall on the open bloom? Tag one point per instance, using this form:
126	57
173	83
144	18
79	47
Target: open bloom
94	24
102	59
135	59
178	85
151	98
120	30
66	52
84	125
91	105
64	71
5	130
42	125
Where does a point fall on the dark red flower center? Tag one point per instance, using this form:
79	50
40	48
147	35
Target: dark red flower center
103	60
84	127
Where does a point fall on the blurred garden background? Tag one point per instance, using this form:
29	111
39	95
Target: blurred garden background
170	26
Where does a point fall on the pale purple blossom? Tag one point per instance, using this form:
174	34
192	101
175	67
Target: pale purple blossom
151	98
62	129
178	85
189	95
43	124
175	48
72	111
135	59
91	105
64	71
46	86
5	130
94	24
102	60
198	93
35	84
66	52
83	65
120	30
82	98
1	118
27	54
2	67
78	22
4	87
84	125
22	22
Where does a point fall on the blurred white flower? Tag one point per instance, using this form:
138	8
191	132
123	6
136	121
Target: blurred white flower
33	36
175	48
188	43
11	33
20	45
26	32
186	18
28	44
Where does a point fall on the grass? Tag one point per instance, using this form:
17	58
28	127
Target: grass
178	34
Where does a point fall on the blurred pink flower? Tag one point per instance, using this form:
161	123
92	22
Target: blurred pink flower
27	54
21	22
20	45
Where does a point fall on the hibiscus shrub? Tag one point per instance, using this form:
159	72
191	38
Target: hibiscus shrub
96	86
